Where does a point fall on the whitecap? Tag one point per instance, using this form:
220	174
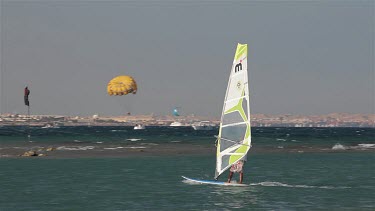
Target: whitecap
114	148
135	147
339	147
75	148
133	139
366	146
279	184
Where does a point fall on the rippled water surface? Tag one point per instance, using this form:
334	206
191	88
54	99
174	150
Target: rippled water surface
340	179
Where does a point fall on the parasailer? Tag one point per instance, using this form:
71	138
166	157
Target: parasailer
122	85
26	96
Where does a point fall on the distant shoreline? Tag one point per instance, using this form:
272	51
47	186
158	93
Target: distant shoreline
151	125
257	120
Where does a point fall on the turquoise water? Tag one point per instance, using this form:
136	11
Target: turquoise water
278	181
336	180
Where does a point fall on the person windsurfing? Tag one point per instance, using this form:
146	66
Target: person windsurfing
237	167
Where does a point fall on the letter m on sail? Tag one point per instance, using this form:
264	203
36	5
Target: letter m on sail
238	67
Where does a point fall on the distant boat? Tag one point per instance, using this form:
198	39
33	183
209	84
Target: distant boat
139	127
54	125
176	124
47	126
203	125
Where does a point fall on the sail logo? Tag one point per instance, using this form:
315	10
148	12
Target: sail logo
239	85
238	67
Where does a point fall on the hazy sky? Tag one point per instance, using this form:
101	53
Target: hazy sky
305	57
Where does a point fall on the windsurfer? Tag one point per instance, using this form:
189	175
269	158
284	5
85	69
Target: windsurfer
236	168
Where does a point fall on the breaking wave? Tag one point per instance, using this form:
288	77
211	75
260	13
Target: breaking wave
75	148
339	146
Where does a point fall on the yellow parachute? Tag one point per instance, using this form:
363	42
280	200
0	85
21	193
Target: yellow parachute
122	85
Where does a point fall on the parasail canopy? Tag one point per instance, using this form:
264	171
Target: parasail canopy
122	85
175	112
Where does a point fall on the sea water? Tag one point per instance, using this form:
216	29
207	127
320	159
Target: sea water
329	168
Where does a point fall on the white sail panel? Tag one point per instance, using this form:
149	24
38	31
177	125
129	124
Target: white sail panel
234	139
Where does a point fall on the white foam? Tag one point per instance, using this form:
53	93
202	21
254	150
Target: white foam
339	147
359	146
367	146
113	148
75	148
190	182
279	184
135	147
117	130
133	139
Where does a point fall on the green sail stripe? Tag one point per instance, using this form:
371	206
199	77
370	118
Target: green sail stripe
238	108
241	149
241	49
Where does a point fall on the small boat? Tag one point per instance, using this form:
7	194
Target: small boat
47	126
53	125
176	124
203	125
139	127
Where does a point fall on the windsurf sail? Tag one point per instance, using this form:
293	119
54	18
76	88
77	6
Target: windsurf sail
234	139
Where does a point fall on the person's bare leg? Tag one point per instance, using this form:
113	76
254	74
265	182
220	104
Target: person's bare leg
230	176
241	177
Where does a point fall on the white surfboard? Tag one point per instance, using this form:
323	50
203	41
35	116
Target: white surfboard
212	182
